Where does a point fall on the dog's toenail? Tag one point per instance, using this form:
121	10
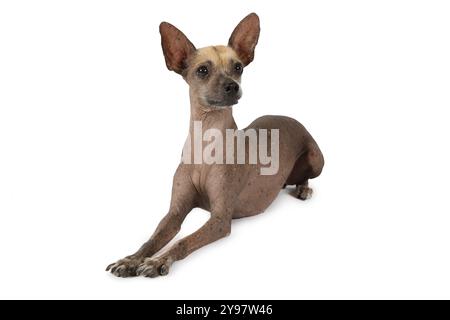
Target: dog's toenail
163	270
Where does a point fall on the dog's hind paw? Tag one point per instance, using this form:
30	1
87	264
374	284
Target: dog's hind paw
125	268
154	267
303	192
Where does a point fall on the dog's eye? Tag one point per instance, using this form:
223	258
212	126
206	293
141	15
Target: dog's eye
202	71
238	68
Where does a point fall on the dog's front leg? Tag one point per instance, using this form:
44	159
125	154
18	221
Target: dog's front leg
184	199
217	227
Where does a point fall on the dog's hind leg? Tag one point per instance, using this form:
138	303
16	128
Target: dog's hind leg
303	192
184	199
308	166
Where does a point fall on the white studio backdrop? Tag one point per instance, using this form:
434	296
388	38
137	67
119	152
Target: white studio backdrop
92	125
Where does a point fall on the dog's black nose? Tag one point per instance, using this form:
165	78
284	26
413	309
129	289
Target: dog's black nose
231	87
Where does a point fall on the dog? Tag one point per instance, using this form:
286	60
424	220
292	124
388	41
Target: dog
227	191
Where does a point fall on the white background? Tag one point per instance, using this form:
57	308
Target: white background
92	125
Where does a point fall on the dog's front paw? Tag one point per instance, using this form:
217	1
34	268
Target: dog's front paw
125	267
154	267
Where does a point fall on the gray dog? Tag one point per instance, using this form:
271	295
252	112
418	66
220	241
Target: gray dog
227	191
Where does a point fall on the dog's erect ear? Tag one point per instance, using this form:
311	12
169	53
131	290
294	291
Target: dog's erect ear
176	47
245	37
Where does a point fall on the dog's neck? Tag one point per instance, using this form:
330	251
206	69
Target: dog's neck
211	117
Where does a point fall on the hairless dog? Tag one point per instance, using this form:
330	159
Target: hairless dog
227	191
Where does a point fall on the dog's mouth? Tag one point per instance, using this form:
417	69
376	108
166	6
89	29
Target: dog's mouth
222	103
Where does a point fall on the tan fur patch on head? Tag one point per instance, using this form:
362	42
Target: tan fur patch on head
214	85
220	56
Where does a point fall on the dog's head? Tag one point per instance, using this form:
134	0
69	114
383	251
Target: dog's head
213	73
